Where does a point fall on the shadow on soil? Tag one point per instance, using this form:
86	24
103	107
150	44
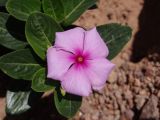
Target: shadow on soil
147	39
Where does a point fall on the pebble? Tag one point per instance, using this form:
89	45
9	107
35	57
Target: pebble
140	100
150	110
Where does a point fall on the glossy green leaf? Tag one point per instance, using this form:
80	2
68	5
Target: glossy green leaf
67	105
116	37
17	102
6	39
10	42
39	82
54	8
20	64
66	11
21	9
40	32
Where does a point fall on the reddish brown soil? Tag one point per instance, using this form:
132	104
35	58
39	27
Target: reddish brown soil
134	84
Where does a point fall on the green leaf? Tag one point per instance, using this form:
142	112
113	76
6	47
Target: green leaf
67	105
17	102
3	19
20	64
66	11
40	32
54	8
3	2
116	36
39	82
10	42
6	39
21	9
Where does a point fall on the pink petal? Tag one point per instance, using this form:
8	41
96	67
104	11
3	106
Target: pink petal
70	40
94	44
76	82
58	63
98	72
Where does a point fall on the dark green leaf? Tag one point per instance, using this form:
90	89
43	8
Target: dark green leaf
40	32
3	19
21	9
19	64
6	39
39	82
17	102
10	42
54	8
66	11
3	2
67	105
116	36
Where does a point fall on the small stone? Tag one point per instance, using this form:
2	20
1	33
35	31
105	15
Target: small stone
122	107
109	106
158	95
101	100
115	105
122	79
118	95
128	95
110	117
127	115
150	110
113	78
140	100
143	93
95	116
137	83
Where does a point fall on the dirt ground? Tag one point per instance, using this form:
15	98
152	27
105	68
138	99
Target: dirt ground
133	90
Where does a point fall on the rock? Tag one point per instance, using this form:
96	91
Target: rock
137	83
127	115
128	95
113	78
122	107
122	79
101	100
140	100
95	116
110	117
118	95
158	94
150	110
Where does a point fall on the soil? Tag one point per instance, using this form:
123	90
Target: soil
133	89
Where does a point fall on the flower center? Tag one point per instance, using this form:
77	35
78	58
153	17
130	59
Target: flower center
80	59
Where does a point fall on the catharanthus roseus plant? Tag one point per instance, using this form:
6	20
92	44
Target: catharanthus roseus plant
39	53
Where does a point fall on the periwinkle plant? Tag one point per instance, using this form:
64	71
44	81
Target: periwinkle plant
70	67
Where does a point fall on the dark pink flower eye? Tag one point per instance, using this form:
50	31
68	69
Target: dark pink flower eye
79	59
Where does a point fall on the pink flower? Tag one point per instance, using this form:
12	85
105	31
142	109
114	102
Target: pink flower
78	60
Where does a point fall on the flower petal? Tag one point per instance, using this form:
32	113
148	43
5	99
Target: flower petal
58	63
94	44
70	40
76	82
98	72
